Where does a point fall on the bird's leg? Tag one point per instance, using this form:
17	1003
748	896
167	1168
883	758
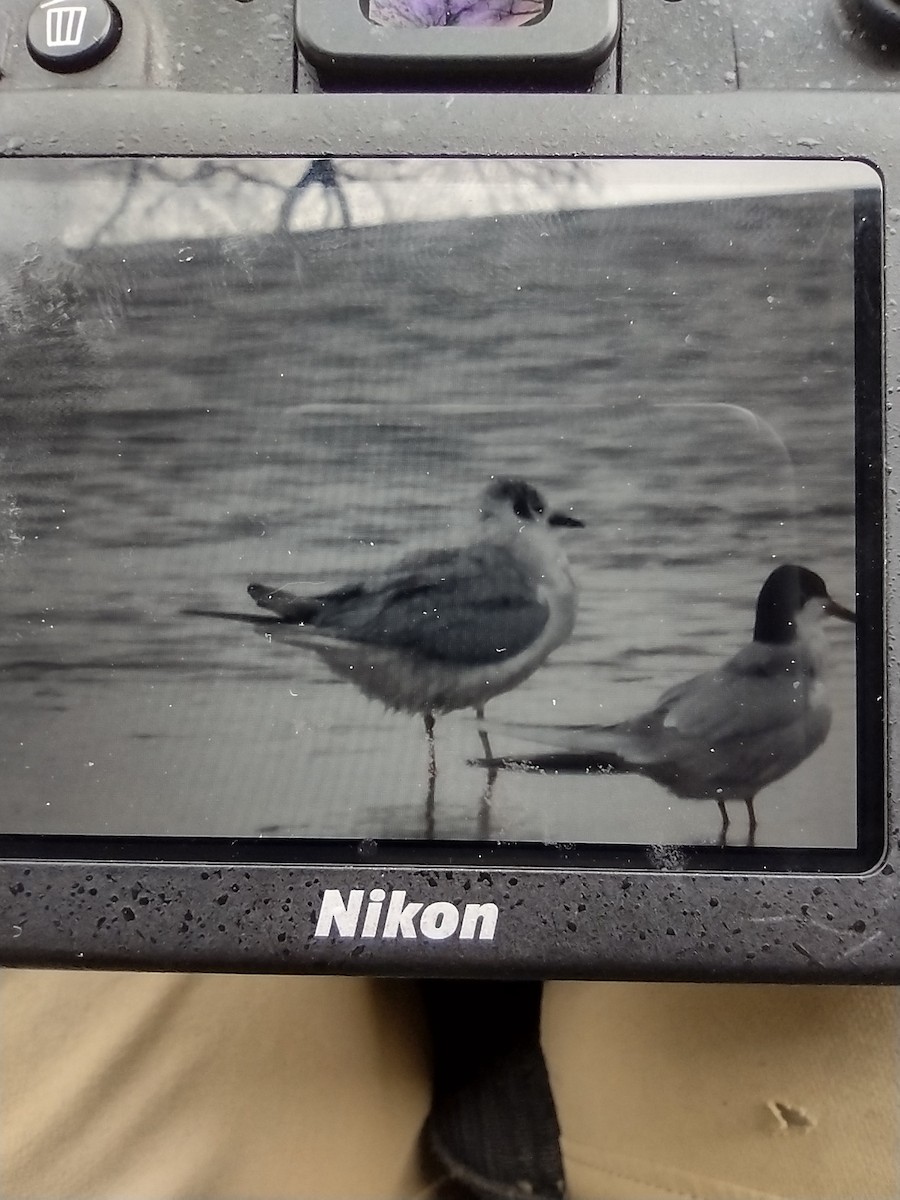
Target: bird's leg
482	733
484	804
751	835
429	734
723	836
432	776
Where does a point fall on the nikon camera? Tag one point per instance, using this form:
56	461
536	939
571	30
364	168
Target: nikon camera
446	484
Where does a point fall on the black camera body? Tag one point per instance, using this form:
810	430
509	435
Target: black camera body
282	283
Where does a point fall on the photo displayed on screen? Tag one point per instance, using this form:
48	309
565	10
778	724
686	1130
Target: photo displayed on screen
472	500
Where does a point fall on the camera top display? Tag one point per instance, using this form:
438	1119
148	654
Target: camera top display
445	532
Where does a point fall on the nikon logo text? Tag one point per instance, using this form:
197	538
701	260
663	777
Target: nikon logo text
403	918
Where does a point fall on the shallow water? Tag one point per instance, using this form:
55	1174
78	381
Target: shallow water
180	421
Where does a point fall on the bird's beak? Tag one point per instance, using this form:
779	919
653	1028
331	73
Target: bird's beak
837	610
565	520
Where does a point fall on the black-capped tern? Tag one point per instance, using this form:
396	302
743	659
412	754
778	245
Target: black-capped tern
730	732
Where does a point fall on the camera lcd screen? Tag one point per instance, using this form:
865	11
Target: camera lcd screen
507	507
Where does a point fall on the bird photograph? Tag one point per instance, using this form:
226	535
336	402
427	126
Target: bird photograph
374	502
441	629
729	732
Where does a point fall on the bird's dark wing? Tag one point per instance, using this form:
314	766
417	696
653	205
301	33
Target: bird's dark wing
257	619
299	610
760	690
563	762
467	606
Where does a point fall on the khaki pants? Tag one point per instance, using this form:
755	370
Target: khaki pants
163	1087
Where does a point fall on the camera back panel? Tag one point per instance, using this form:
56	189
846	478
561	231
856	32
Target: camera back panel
436	525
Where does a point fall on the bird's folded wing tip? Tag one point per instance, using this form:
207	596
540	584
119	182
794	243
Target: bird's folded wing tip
505	764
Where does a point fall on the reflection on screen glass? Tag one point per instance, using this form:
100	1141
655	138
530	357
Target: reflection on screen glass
505	500
472	14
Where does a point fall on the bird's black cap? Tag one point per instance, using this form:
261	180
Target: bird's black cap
783	596
527	502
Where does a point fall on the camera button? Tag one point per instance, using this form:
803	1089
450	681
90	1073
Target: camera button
73	35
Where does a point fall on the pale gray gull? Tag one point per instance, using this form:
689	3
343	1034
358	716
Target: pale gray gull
441	629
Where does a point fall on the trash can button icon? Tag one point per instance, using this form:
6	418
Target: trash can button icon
73	35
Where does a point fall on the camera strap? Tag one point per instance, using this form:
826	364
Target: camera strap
493	1124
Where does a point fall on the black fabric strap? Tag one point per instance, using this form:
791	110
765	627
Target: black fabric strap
492	1125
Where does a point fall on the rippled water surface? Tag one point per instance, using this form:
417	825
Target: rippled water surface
178	421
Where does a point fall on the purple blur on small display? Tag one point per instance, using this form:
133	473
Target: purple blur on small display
427	13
